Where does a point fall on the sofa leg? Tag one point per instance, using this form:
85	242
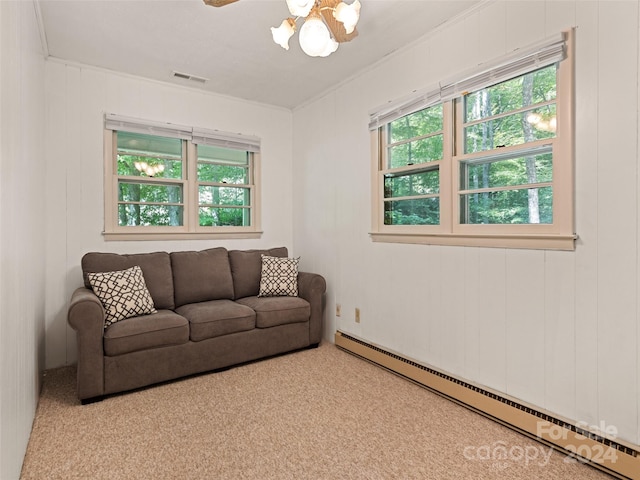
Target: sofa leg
313	345
87	401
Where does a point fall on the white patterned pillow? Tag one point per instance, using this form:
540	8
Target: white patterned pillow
279	277
123	294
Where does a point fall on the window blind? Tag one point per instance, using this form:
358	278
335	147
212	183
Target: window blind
399	108
217	138
517	63
134	125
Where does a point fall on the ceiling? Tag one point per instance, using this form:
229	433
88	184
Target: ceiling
230	46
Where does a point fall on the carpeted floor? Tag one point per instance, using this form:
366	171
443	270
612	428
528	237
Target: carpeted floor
315	414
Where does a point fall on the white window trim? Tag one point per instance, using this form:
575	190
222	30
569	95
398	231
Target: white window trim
191	229
559	235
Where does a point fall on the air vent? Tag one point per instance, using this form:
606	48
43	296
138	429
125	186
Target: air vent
187	76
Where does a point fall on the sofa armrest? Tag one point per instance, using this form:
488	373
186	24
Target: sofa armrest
311	287
86	317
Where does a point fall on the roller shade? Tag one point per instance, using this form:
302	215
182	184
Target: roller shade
399	108
217	138
236	141
517	63
513	65
134	125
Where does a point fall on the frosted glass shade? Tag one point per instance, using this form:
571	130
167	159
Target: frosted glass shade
284	32
348	15
331	47
314	37
300	8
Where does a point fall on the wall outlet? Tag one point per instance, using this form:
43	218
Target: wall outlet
357	315
338	310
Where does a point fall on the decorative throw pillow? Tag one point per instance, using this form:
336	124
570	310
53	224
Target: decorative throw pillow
123	294
279	276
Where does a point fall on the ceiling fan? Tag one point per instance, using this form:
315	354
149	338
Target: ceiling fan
219	3
327	24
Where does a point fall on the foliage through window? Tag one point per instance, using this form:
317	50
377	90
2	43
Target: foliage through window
478	166
224	194
150	186
177	183
412	182
515	188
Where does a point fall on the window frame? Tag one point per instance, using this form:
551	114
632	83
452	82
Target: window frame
191	228
559	235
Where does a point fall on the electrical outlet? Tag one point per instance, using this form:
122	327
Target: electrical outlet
357	315
338	310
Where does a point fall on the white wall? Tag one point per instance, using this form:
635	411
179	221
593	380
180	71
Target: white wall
556	329
22	213
77	98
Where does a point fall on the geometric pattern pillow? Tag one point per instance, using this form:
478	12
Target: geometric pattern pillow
279	277
123	294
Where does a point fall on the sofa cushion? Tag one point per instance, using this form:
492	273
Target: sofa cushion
123	294
246	267
273	311
142	333
201	276
216	318
279	277
156	268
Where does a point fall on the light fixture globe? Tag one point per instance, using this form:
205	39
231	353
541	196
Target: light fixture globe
331	47
314	36
300	8
283	33
348	15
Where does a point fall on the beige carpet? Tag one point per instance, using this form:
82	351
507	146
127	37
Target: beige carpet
315	414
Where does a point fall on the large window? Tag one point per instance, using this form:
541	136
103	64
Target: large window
169	181
485	160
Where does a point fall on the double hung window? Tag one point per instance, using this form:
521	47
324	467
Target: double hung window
163	180
483	160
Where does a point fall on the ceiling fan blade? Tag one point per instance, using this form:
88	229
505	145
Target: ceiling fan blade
218	3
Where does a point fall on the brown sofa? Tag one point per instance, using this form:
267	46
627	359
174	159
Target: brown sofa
209	316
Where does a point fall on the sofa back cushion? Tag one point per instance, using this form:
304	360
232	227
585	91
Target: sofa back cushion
201	276
246	266
156	269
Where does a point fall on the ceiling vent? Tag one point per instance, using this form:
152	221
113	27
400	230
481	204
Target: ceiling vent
187	76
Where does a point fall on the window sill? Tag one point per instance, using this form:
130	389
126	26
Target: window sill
527	241
148	236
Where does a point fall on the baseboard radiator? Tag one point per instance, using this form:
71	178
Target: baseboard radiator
581	442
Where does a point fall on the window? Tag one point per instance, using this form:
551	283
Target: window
486	160
168	181
414	152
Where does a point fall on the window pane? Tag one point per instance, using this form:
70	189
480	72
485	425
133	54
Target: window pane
224	217
423	122
416	152
130	214
530	89
510	172
421	211
423	183
210	172
150	145
149	193
222	155
143	166
513	129
224	196
522	206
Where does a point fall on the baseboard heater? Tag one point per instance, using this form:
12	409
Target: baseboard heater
581	442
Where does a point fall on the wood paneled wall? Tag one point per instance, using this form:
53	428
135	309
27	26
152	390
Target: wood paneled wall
556	329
